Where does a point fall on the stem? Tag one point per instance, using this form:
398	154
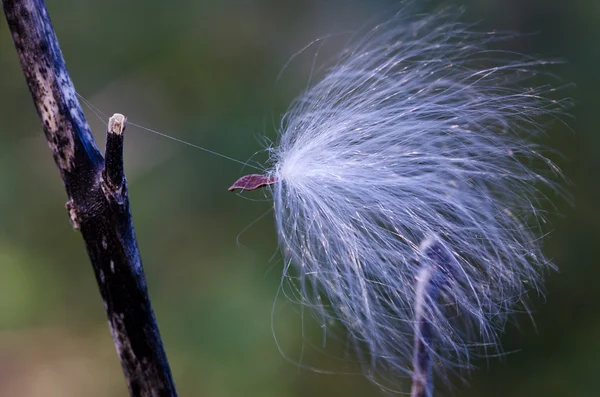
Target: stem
422	382
98	202
436	270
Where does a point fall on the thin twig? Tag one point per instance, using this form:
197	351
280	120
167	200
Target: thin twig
98	202
422	384
435	273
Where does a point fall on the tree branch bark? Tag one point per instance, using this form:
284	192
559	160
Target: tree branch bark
98	202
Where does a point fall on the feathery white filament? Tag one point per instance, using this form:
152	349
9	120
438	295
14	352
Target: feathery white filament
417	131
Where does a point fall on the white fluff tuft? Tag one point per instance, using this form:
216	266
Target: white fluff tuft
417	132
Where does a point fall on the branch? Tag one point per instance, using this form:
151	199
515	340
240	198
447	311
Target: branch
98	202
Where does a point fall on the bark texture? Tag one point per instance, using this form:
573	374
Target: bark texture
98	203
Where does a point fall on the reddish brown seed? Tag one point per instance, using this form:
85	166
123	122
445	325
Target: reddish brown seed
252	181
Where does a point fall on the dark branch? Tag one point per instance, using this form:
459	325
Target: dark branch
98	203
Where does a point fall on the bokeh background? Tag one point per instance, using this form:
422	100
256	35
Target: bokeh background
206	71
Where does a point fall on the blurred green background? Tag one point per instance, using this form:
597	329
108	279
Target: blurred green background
206	71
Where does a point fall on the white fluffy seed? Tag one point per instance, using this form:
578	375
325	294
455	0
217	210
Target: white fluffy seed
417	131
